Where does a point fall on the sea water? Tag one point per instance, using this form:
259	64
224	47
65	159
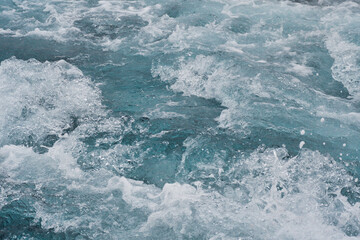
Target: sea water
203	119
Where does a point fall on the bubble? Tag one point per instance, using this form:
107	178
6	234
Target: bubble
301	144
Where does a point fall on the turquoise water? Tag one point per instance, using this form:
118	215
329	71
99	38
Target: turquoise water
223	119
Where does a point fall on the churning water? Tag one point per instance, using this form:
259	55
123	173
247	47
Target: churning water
202	119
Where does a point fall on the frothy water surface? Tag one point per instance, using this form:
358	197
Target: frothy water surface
179	119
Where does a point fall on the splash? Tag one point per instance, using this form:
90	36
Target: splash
179	120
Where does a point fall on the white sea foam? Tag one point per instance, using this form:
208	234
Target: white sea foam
345	68
339	24
39	99
64	21
268	196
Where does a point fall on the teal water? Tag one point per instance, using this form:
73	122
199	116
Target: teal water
223	119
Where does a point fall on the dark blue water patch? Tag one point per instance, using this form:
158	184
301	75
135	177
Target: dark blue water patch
7	5
83	54
17	219
201	19
92	3
129	88
175	9
161	146
324	81
191	11
41	49
240	24
111	27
